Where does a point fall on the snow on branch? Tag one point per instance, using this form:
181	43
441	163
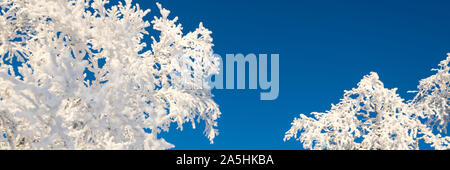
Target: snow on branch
86	81
373	117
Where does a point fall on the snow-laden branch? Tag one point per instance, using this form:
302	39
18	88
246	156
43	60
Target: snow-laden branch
373	117
433	97
49	101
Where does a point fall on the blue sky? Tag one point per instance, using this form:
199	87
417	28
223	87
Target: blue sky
325	47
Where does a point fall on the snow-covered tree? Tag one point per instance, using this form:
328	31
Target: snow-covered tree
367	117
433	97
86	81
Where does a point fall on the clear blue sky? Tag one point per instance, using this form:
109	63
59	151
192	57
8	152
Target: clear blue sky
325	48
